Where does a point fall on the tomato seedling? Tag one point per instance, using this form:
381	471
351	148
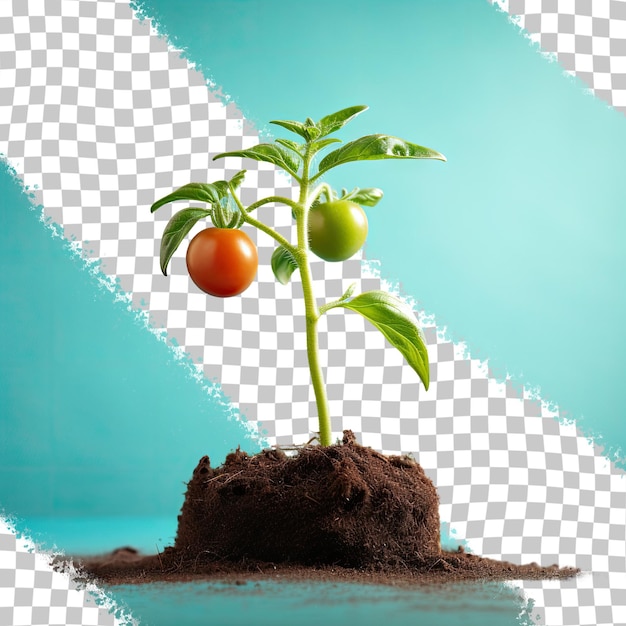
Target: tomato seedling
222	261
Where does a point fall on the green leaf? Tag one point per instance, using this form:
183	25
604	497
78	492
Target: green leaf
175	231
395	320
291	145
348	292
374	147
320	144
283	265
370	196
312	130
267	152
202	192
225	214
295	127
222	189
237	179
335	121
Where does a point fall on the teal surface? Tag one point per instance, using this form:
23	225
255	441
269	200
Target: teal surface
96	415
515	244
278	603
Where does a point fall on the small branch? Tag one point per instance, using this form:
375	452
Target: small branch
263	227
282	200
337	303
329	305
322	188
272	233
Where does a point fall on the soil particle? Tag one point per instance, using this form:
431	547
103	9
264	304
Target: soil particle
342	512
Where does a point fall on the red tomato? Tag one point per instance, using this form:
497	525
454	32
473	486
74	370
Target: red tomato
222	261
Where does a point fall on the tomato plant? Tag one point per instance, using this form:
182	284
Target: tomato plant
333	227
222	261
337	229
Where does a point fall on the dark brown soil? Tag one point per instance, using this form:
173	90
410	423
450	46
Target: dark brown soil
342	511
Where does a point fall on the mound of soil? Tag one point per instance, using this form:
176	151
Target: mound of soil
344	505
344	511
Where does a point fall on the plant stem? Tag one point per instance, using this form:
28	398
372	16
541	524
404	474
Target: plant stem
311	311
299	252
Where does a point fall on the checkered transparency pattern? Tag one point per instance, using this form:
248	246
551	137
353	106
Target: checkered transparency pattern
102	118
587	37
32	592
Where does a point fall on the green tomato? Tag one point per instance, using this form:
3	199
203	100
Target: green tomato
337	229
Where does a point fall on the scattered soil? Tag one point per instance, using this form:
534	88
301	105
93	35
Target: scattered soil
342	512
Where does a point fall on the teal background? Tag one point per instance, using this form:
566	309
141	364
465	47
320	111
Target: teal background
516	243
97	417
